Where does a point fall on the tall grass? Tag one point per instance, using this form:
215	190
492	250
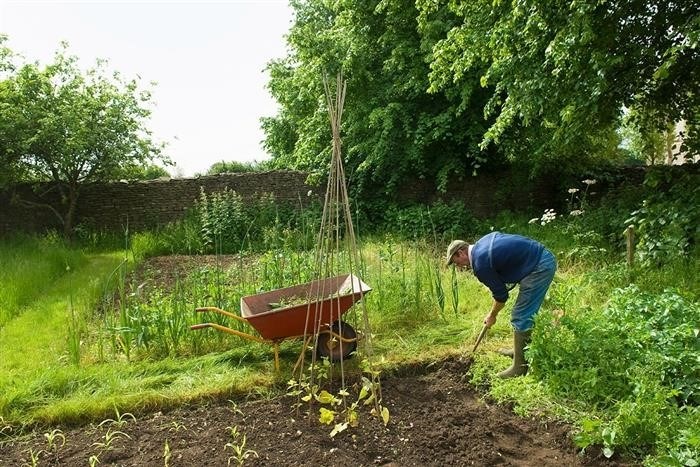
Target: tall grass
29	265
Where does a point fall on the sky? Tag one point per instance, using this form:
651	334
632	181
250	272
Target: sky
207	58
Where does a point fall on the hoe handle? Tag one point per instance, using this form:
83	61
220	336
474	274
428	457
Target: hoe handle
480	338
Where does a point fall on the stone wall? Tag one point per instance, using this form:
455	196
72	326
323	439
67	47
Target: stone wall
110	206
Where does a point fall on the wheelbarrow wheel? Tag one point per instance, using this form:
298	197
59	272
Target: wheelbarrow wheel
332	347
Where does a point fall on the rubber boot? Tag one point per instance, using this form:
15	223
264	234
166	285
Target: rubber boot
519	366
506	352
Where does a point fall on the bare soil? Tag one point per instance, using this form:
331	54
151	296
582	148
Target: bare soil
437	419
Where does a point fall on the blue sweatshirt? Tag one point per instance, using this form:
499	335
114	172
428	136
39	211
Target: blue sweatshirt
499	259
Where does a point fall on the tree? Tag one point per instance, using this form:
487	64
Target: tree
392	128
560	72
222	167
141	172
70	128
9	156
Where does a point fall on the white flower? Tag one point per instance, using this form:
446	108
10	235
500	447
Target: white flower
573	190
533	220
589	181
309	193
576	212
548	216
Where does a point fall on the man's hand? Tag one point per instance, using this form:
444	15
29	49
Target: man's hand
489	320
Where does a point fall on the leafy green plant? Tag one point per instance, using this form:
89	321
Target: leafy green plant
667	221
636	360
334	409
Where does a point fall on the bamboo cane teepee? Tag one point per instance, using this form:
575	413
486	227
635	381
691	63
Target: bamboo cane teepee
336	249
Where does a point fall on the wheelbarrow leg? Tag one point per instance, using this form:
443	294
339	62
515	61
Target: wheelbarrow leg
277	357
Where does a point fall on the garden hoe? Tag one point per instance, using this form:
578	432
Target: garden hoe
470	359
480	338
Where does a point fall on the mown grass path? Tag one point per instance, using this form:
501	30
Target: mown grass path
40	382
37	338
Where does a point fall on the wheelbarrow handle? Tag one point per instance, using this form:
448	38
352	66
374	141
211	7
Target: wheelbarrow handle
214	309
228	330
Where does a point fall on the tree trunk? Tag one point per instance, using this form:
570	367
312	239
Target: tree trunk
69	218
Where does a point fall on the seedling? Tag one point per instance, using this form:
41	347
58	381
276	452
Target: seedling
34	457
167	454
176	426
55	440
237	445
235	409
109	438
120	421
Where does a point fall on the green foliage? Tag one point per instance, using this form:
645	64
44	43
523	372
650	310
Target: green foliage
668	222
182	237
61	124
444	89
392	128
236	167
646	143
228	224
636	359
140	172
559	73
439	221
622	366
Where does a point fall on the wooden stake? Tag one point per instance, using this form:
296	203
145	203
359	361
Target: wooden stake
629	234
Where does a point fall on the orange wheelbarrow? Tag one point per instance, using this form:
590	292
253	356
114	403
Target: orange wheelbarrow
299	311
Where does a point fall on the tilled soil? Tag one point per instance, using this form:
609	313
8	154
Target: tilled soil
436	419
